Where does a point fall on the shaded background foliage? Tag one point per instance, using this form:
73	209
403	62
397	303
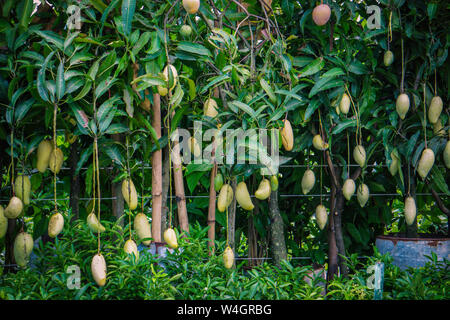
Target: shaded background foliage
114	62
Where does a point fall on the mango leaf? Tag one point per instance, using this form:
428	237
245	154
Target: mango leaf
244	107
24	10
333	73
51	37
354	232
104	86
324	84
113	152
128	8
22	109
81	117
357	67
84	157
117	128
438	180
60	82
143	40
70	39
312	107
86	88
214	82
344	125
266	87
194	48
42	90
106	108
107	11
312	68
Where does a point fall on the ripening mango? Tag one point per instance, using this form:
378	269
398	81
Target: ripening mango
308	181
363	194
129	193
225	197
287	136
14	208
349	188
170	237
210	108
435	109
321	216
402	105
228	258
243	196
98	269
55	225
130	248
56	160
22	188
23	246
410	210
191	6
426	162
321	14
264	190
359	154
43	155
143	228
3	223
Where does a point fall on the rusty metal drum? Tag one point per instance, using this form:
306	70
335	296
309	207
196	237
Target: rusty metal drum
412	252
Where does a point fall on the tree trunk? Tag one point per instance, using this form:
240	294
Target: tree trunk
212	209
165	188
212	192
232	219
156	173
278	242
9	245
116	190
252	240
75	183
337	219
252	236
179	188
332	248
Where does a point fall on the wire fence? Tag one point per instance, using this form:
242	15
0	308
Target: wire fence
324	195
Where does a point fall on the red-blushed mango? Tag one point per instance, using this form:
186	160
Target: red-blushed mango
191	6
321	14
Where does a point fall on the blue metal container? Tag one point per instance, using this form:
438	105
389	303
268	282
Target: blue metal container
412	252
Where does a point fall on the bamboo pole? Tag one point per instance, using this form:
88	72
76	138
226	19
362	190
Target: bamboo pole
156	173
